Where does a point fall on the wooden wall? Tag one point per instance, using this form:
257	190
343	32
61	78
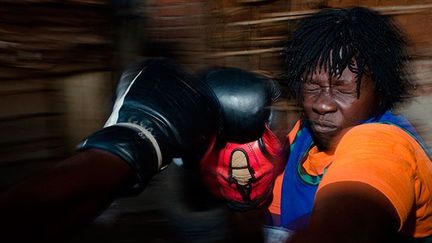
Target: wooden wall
44	44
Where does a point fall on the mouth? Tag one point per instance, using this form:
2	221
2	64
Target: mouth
323	126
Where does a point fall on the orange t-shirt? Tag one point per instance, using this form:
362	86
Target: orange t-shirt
390	160
386	158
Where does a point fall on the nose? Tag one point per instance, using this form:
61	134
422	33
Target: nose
324	103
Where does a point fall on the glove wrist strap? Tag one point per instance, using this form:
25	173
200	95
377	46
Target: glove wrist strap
145	134
132	143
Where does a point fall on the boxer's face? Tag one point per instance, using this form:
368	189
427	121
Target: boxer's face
332	105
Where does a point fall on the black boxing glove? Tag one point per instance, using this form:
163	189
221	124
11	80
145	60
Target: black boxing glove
241	167
245	100
160	112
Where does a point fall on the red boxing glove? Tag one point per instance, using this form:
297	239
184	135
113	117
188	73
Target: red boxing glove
243	174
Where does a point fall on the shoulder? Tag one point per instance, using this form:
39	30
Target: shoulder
381	155
371	130
377	138
376	145
377	148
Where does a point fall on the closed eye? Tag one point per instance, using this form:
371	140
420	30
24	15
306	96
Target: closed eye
310	87
345	89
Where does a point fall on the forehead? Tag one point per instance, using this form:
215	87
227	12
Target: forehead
334	62
321	74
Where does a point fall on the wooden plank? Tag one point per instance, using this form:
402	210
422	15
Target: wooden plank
39	37
31	150
18	105
30	128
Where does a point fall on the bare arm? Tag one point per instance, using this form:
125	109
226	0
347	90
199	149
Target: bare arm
48	207
350	212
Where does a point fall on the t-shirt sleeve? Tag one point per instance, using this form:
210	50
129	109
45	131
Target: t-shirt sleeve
381	156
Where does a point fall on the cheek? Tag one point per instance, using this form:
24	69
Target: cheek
307	103
356	111
346	103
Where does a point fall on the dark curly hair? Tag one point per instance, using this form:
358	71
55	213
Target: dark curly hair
375	43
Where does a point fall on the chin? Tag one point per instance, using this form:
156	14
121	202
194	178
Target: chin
325	142
322	143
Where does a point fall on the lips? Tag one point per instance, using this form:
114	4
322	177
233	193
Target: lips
323	126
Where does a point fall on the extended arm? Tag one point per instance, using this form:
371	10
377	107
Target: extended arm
52	205
159	114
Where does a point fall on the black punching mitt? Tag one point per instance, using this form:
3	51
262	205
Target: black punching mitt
245	99
160	112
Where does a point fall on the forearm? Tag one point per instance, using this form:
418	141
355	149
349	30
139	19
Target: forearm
51	205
